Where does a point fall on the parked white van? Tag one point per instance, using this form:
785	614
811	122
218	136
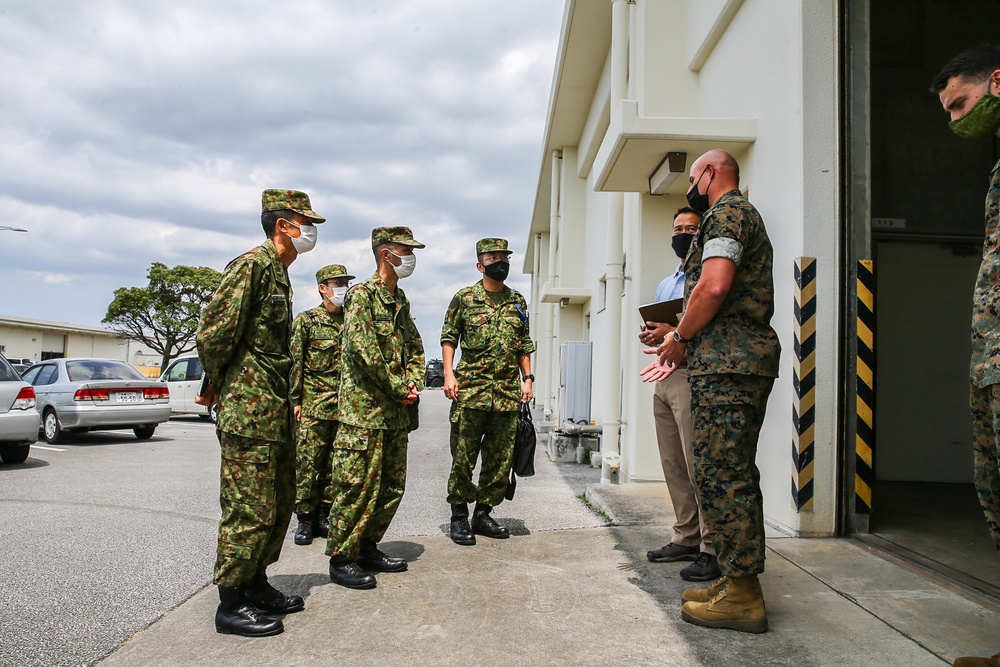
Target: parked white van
183	378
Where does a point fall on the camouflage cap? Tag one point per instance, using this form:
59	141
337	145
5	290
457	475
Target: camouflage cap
281	200
400	235
332	271
492	245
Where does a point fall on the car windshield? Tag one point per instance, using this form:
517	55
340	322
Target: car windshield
7	372
101	369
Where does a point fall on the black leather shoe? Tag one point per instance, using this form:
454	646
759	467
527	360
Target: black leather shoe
235	616
269	599
349	575
304	532
483	524
461	532
371	558
322	526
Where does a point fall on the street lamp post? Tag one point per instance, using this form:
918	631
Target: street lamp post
12	229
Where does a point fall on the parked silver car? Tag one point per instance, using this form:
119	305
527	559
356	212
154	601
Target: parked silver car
77	395
18	417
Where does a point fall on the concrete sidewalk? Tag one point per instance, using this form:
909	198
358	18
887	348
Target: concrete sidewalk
568	589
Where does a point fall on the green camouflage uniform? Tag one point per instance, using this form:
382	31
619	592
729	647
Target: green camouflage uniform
493	332
315	383
732	364
985	366
243	344
382	354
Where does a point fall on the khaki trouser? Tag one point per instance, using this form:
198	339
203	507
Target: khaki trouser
672	414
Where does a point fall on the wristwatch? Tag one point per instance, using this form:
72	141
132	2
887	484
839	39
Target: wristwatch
679	338
527	377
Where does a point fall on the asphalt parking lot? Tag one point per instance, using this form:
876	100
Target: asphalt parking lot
102	535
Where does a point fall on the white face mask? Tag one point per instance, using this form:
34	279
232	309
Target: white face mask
337	299
404	270
306	240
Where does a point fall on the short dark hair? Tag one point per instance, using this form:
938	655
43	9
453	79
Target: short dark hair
686	209
975	64
269	219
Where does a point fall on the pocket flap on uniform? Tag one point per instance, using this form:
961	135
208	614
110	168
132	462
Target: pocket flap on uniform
356	439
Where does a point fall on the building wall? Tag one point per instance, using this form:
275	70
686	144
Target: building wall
788	83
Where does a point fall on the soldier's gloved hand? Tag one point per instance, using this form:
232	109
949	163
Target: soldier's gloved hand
297	411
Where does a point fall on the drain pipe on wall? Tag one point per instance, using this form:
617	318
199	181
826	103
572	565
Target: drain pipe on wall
552	324
536	309
614	255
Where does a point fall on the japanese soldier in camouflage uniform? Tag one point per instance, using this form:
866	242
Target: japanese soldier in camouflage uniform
315	384
969	90
490	322
732	354
382	373
243	342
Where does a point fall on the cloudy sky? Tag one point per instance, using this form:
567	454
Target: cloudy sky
140	132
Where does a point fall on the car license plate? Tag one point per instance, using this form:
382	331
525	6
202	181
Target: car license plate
129	396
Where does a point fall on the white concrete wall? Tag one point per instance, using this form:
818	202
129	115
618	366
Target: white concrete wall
706	58
791	173
79	345
20	342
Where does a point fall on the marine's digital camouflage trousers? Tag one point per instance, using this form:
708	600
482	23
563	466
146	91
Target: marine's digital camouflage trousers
985	405
487	432
313	444
256	493
368	478
728	411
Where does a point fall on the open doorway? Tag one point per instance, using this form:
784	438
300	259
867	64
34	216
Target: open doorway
925	230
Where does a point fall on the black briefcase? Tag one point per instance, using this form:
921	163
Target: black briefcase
524	450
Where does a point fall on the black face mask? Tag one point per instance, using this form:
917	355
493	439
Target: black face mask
699	202
681	243
497	271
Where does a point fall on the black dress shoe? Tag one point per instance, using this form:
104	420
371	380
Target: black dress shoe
371	558
349	575
269	599
483	524
304	531
461	532
236	616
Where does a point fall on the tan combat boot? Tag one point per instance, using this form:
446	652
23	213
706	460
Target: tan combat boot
739	606
704	594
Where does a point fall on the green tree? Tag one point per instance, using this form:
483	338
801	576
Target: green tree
164	315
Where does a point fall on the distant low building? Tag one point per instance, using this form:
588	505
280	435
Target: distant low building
38	340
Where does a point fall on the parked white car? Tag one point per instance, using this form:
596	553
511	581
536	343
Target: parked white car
183	378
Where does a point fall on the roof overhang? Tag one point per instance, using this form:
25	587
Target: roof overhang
635	146
583	50
570	296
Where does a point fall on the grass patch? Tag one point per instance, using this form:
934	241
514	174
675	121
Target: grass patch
599	512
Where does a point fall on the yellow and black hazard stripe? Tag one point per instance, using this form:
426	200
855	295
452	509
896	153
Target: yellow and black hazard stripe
864	447
804	383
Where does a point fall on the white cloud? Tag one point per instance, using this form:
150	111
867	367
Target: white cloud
144	132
